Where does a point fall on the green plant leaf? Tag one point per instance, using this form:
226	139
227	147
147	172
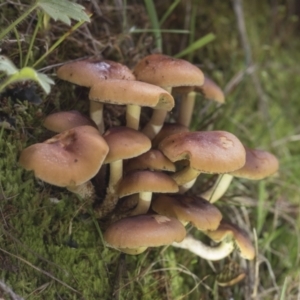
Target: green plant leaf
26	73
7	66
63	10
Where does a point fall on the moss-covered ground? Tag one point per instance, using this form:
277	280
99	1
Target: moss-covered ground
49	249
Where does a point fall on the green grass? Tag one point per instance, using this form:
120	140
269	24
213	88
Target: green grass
52	251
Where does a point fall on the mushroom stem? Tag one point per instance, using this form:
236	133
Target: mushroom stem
110	201
133	116
153	127
85	190
185	175
218	189
143	204
210	253
185	113
96	114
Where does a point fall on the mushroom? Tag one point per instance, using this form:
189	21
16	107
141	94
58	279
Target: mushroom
65	120
124	143
188	209
259	165
134	95
87	72
166	72
227	235
210	90
69	159
133	235
207	152
145	183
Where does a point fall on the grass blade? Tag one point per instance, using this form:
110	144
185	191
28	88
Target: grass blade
196	45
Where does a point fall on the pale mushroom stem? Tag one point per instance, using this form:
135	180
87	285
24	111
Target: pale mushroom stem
85	190
96	114
133	113
185	113
185	175
153	127
110	201
143	204
209	253
218	189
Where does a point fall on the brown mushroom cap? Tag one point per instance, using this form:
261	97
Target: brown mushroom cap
89	71
202	214
166	71
207	151
131	93
210	90
259	164
65	120
125	143
67	159
153	160
226	230
144	231
146	181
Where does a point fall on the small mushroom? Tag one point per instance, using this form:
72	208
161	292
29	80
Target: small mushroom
88	72
133	235
259	165
207	152
166	72
227	235
69	159
145	183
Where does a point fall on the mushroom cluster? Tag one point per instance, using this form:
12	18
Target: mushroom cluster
153	166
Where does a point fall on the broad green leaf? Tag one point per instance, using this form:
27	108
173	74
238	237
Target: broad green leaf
7	66
29	74
63	10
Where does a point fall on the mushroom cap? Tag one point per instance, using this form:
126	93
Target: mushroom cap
166	71
198	211
67	159
144	231
207	151
259	164
89	71
125	143
65	120
131	92
210	90
168	129
153	160
146	181
226	230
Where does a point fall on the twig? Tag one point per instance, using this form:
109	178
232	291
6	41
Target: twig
6	289
263	100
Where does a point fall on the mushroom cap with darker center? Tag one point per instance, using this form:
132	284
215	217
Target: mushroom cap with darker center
259	164
89	71
166	71
146	181
207	151
125	143
131	93
144	231
65	120
188	209
226	230
67	159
